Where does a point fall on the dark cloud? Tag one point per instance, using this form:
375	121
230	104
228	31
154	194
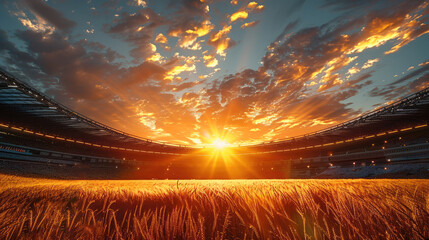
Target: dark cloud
410	83
142	73
81	73
183	86
190	21
49	14
137	29
23	64
289	27
419	84
411	75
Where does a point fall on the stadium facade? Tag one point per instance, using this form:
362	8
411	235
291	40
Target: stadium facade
39	135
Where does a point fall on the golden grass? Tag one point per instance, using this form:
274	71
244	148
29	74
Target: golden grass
237	209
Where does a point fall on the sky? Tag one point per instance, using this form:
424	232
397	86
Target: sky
193	72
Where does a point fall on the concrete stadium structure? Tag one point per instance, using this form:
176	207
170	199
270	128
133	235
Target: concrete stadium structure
39	135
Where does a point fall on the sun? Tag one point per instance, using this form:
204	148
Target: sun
219	144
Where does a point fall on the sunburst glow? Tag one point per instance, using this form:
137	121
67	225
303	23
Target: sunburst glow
220	144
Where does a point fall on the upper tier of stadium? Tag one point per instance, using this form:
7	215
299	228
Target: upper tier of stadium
27	108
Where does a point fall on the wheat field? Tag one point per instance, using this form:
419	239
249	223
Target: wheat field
33	208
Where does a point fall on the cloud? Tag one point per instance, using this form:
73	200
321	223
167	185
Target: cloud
187	37
155	57
177	65
36	25
22	64
402	26
394	92
250	24
370	63
423	63
49	14
412	74
138	29
160	38
70	63
191	21
210	60
329	82
183	86
221	41
140	3
242	14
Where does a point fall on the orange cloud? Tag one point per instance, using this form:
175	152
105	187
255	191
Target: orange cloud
267	120
188	37
187	66
330	81
403	29
242	14
353	70
220	34
140	3
36	25
210	61
252	4
221	41
160	38
370	63
424	63
249	24
156	57
202	30
177	70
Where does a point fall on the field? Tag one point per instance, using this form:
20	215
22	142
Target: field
237	209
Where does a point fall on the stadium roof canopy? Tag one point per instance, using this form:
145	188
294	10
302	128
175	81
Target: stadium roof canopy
23	106
28	108
404	114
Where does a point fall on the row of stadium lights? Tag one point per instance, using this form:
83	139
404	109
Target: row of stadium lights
81	142
339	142
283	150
385	141
354	164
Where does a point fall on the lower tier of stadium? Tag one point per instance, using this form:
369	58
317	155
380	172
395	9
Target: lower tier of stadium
57	156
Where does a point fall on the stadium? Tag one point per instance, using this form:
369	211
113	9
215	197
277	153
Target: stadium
207	119
41	136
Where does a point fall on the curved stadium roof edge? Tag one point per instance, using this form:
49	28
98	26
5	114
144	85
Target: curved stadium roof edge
408	100
13	82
